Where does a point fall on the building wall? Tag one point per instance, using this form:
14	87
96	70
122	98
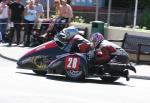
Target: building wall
44	2
91	3
88	3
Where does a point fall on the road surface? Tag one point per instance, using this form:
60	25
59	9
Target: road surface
23	86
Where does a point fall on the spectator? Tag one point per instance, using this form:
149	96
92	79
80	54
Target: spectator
63	19
9	2
57	7
16	10
39	8
66	10
30	17
3	19
0	37
52	20
40	13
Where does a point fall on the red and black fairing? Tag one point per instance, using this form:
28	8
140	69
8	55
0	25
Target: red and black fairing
47	50
50	57
67	61
80	44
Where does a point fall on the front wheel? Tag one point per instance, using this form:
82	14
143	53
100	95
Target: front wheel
75	74
40	72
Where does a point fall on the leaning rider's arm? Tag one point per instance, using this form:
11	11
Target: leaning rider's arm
105	53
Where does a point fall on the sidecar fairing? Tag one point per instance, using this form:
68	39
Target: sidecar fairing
74	66
39	57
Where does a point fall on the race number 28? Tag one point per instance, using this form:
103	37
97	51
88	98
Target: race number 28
72	63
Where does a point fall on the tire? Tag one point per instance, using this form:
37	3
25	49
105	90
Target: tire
75	75
40	72
40	67
109	78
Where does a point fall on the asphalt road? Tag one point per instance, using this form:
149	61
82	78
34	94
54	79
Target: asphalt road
23	86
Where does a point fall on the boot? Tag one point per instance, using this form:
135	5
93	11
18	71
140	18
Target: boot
126	74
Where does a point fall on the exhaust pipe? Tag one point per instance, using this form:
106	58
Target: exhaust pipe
122	66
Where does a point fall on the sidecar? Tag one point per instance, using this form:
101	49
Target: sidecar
40	57
50	58
74	66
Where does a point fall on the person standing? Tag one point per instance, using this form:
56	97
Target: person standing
16	12
30	16
39	8
40	13
9	2
3	19
66	11
64	18
57	7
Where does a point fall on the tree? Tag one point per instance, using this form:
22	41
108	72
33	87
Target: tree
146	18
129	4
144	4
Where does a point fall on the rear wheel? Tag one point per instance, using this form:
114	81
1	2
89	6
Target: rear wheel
109	78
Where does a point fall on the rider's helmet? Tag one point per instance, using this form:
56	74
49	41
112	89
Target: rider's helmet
96	38
67	33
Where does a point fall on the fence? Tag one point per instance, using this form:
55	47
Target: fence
118	16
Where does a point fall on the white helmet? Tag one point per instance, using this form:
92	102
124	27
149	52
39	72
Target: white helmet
96	38
67	33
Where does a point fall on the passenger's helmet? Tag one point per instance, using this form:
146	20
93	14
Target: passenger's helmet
96	38
67	33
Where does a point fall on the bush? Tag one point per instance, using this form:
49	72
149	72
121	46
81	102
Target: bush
146	18
79	19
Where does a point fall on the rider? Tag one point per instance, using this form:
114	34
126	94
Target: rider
73	41
107	51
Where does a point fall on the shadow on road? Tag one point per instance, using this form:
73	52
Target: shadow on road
64	79
140	77
87	80
32	74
